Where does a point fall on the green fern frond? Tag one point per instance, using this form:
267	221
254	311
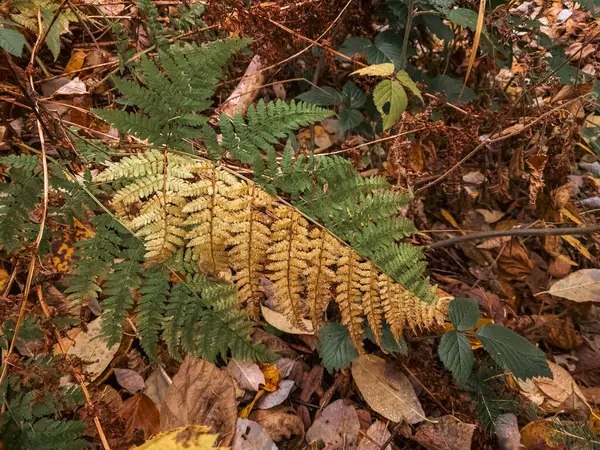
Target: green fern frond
265	125
151	305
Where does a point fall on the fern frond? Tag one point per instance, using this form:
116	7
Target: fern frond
150	308
372	307
265	125
324	254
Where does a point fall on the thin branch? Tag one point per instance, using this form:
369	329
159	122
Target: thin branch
574	231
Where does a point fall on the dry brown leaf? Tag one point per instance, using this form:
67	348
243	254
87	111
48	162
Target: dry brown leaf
247	375
200	394
376	436
389	394
250	435
247	89
577	245
592	394
580	286
91	348
506	429
280	422
447	433
514	262
156	385
558	394
490	216
277	397
336	428
562	334
129	380
140	413
536	164
283	323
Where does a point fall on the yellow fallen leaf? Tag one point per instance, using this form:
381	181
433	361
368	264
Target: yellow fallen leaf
450	219
190	437
565	212
75	63
578	246
3	279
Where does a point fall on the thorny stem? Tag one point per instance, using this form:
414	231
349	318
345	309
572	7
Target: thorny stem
409	19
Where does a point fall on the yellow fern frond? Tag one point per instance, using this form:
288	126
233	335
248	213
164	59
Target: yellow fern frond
348	294
250	240
325	251
371	300
288	262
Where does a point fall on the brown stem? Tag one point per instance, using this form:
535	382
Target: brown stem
580	231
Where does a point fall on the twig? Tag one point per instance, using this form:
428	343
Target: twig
573	231
406	38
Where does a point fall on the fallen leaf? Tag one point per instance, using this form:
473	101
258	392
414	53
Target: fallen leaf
75	63
3	279
391	395
592	394
283	323
73	87
514	262
156	386
562	334
284	366
280	422
446	433
538	435
336	428
559	393
278	397
129	380
91	348
191	437
250	435
273	343
580	286
490	216
200	394
506	429
247	375
537	164
577	245
140	413
376	436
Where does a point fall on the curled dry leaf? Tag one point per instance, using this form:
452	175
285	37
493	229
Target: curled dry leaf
280	422
506	429
558	394
91	348
446	433
376	436
580	286
140	413
278	396
336	428
247	375
283	323
201	394
389	394
129	380
250	435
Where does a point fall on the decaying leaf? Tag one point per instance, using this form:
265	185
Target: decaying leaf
247	375
389	394
446	433
91	348
514	262
376	436
506	429
283	323
191	437
559	393
539	435
139	412
129	380
278	396
156	385
250	435
336	428
201	394
580	286
280	422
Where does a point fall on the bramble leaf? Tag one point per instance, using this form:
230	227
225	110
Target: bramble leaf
391	101
464	313
456	354
335	347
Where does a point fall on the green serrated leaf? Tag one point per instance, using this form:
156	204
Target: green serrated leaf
391	101
386	48
453	88
52	35
355	45
12	41
376	70
349	118
406	81
324	96
456	354
335	347
388	341
354	97
513	352
464	313
463	17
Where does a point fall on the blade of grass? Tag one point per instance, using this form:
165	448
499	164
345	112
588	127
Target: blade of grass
476	40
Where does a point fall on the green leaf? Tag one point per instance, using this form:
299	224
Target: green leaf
52	35
464	313
391	101
355	45
513	352
354	97
409	84
464	17
335	347
387	48
350	118
388	341
456	354
12	41
325	96
452	87
376	70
